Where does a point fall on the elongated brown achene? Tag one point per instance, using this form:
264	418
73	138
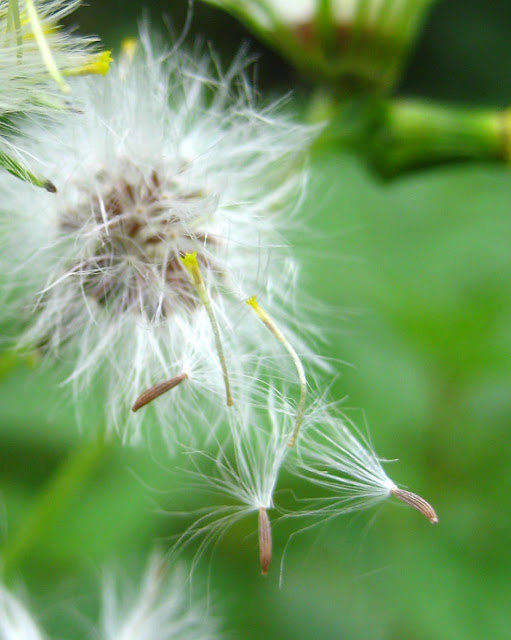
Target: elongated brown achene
157	390
416	502
264	540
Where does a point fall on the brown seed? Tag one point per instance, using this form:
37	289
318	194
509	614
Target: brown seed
416	502
264	540
157	390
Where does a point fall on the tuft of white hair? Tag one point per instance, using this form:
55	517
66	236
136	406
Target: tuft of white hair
241	477
333	454
159	607
167	156
16	622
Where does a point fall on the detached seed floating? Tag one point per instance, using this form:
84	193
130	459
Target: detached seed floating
264	540
157	390
416	502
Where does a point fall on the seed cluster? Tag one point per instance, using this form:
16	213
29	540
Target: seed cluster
138	239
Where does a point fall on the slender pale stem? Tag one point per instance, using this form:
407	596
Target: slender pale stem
192	266
14	22
265	544
416	502
53	500
272	327
129	47
157	390
44	47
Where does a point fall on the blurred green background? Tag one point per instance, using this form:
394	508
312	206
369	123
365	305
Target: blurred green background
419	283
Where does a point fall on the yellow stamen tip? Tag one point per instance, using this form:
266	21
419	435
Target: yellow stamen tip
192	266
103	62
190	260
98	64
273	328
129	47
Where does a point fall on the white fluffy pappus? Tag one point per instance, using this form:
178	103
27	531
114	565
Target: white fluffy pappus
16	621
241	477
333	454
165	158
159	607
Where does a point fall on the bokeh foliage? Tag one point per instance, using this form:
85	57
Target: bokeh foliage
417	274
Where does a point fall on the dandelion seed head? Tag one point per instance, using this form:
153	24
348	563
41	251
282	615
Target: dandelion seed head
164	158
160	606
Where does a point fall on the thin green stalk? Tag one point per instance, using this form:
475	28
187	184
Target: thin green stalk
55	498
14	22
418	133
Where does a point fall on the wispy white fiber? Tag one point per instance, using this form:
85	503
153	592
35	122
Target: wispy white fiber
334	455
241	477
16	621
159	608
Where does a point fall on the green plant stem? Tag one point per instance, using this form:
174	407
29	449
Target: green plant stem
56	496
415	134
399	135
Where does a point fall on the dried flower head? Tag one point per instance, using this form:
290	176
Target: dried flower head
361	43
165	163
